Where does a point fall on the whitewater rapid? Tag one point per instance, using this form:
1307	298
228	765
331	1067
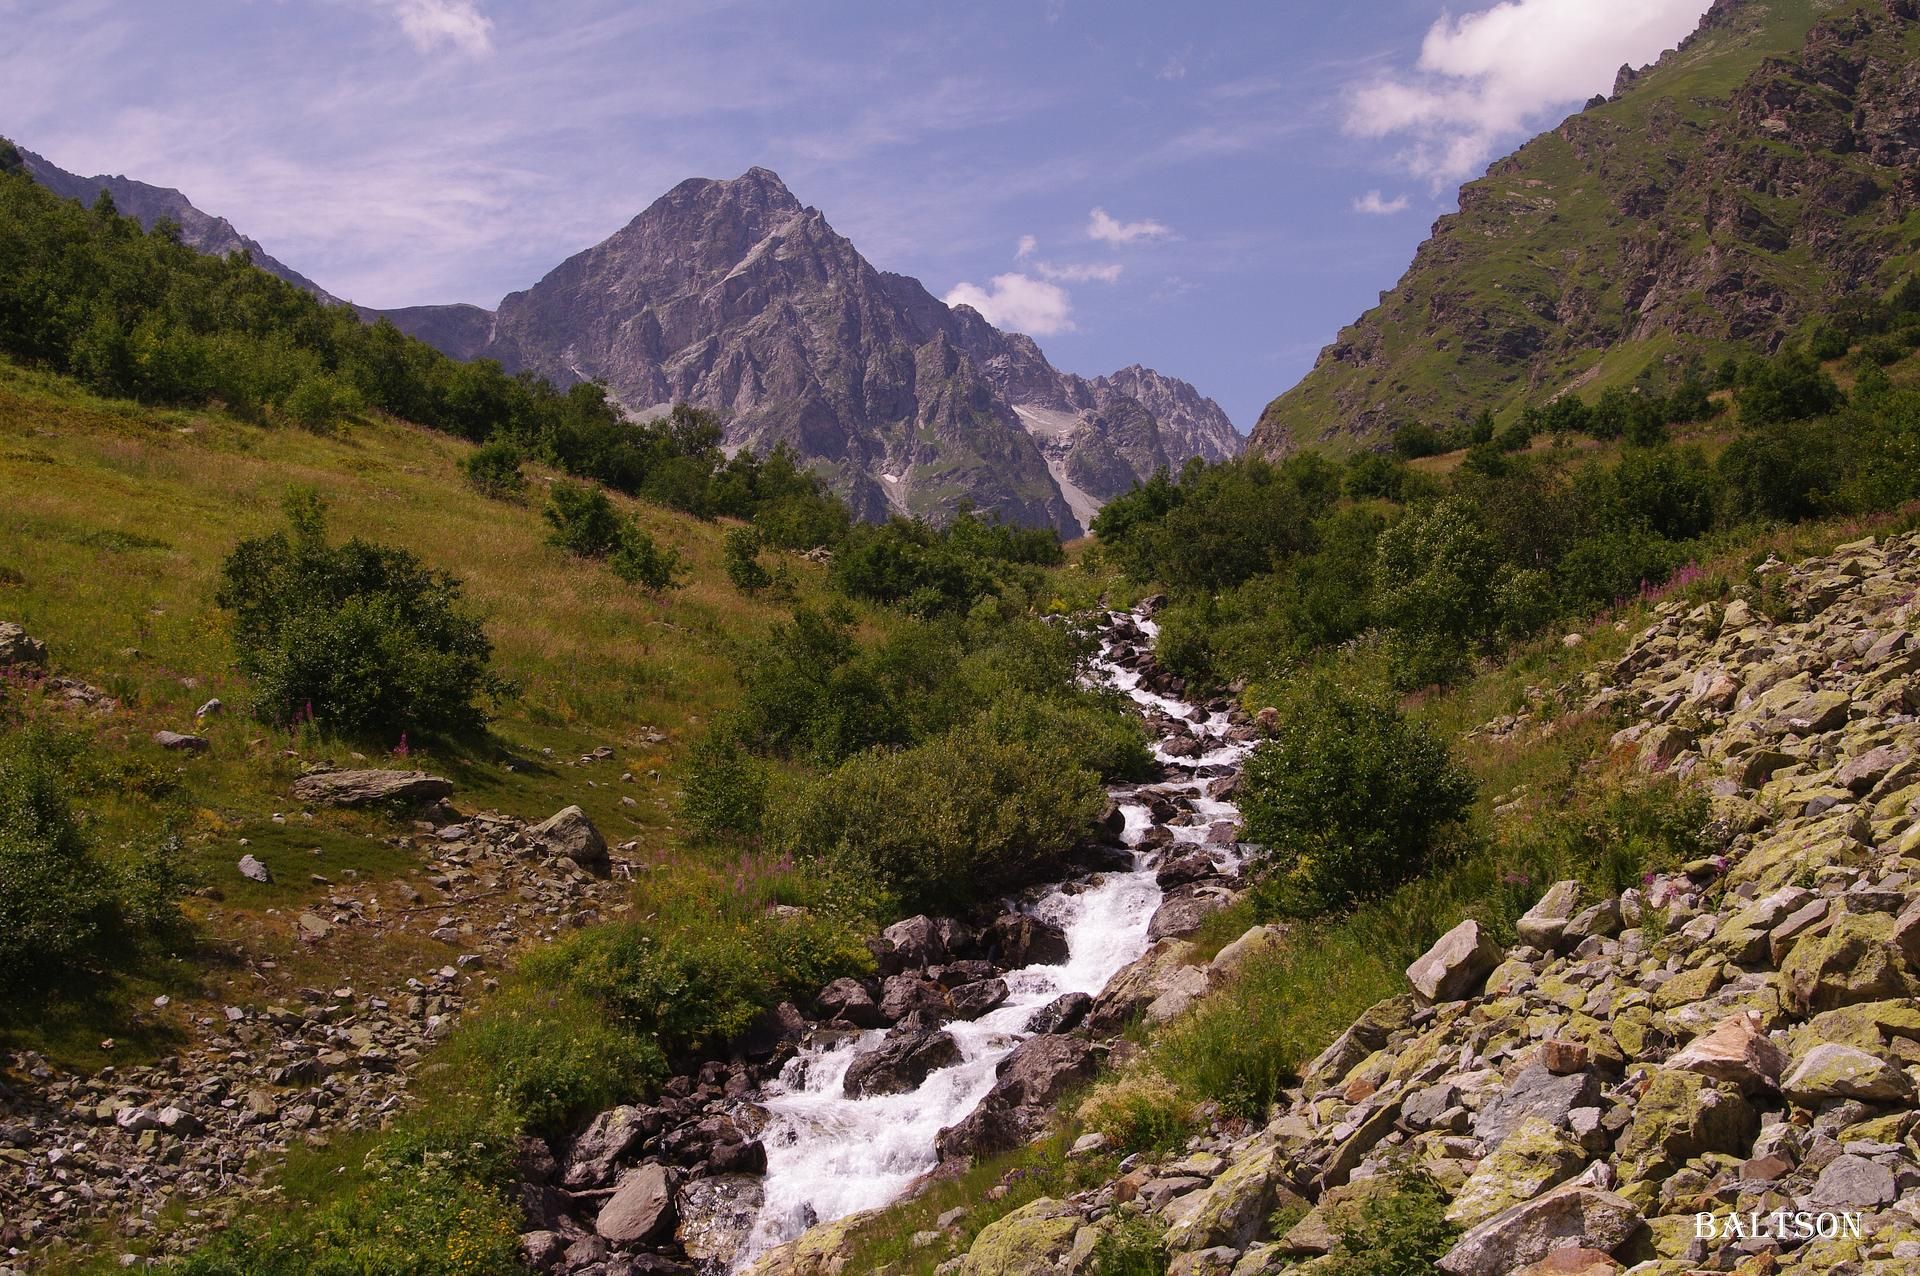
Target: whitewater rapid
829	1156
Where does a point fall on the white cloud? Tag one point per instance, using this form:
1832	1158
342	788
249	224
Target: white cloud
1486	77
1081	272
432	23
1019	303
1025	248
1373	204
1103	227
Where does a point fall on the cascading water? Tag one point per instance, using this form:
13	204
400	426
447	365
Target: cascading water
829	1155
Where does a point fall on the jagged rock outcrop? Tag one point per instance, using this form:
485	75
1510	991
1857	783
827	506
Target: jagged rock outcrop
1676	217
147	204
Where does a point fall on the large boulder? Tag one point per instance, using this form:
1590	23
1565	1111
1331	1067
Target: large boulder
1185	909
1232	1210
905	994
1738	1051
912	944
1062	1014
899	1065
848	1000
641	1208
1574	1215
1544	923
609	1139
1535	1157
1834	1071
570	833
20	650
1679	1116
1029	1080
367	788
1031	1241
1021	939
716	1217
1456	964
1137	985
1534	1092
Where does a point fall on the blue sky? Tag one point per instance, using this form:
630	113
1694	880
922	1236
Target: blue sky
1211	189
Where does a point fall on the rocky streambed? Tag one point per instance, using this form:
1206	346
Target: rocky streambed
970	1030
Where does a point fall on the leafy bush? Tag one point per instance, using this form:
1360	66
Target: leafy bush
1129	1246
1791	386
726	789
1433	580
1350	797
360	638
946	823
639	561
584	521
743	564
1400	1232
551	1058
493	469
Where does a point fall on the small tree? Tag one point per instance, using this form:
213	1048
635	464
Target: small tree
1350	798
493	469
584	521
639	561
743	564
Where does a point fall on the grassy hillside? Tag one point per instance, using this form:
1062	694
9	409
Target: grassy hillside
117	519
1744	183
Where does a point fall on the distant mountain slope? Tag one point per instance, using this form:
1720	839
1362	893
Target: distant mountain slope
1766	168
148	204
734	296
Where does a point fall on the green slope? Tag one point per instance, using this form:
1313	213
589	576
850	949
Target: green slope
1753	177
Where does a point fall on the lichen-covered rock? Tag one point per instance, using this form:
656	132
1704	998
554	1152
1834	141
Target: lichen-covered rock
1833	1071
1535	1157
366	788
1574	1215
1231	1211
570	833
1031	1241
1852	961
1680	1116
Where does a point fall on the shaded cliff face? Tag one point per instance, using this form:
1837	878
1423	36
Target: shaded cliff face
1767	168
146	204
734	296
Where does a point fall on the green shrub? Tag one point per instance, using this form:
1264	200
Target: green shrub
362	639
726	789
1139	1111
1130	1246
742	548
584	521
1350	797
1433	581
493	469
946	823
550	1058
433	1203
1401	1232
318	402
1791	386
639	561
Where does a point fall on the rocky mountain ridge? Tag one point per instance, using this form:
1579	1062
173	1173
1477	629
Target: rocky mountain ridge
148	204
733	296
1756	176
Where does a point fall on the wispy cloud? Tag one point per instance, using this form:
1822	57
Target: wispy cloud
1019	303
1024	249
1106	272
1372	204
1102	226
429	24
1486	77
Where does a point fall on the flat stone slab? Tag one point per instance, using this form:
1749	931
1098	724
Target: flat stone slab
364	788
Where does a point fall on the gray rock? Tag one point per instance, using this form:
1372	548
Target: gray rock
1544	923
182	743
848	999
1062	1014
1025	940
1571	1215
900	1065
1534	1092
570	833
1853	1183
365	788
1456	964
609	1139
18	650
211	709
254	870
641	1208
